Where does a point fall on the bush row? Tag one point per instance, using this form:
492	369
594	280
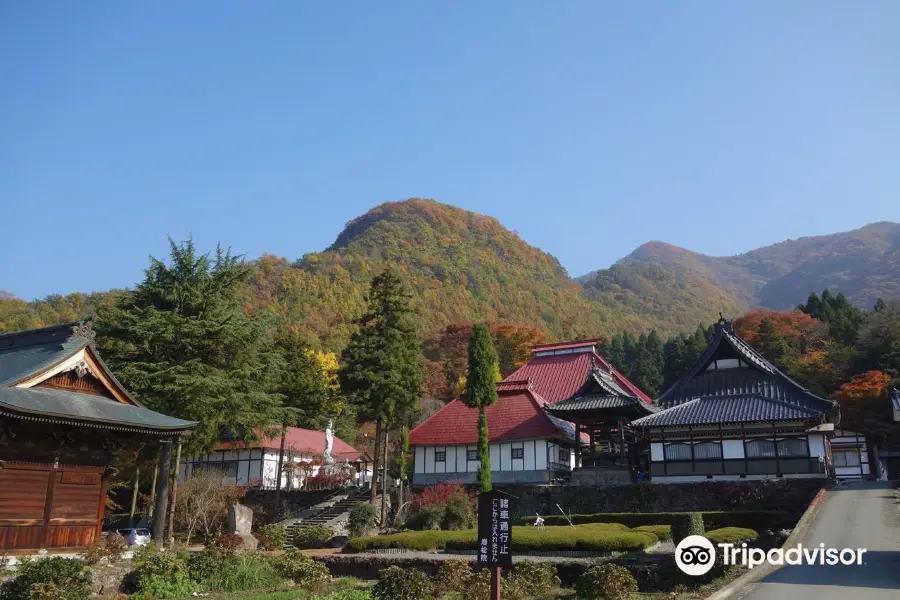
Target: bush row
597	537
759	520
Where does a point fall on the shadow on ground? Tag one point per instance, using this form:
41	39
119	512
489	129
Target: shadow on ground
879	570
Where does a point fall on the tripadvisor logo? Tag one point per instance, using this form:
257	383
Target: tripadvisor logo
695	555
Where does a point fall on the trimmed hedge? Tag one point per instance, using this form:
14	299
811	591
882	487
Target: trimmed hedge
758	520
662	532
597	537
686	525
731	535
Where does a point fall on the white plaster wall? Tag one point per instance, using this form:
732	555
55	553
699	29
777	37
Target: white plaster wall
657	452
816	444
541	453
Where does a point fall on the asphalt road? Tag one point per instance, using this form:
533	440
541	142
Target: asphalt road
859	515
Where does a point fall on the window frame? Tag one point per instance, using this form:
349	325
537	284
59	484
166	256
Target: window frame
471	455
520	451
668	445
440	456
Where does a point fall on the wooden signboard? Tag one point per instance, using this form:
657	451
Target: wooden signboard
495	529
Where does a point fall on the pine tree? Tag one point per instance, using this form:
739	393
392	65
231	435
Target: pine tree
380	367
481	392
184	344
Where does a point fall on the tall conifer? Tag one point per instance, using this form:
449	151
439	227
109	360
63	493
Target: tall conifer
481	392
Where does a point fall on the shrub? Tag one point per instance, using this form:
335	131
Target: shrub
452	577
609	581
395	583
731	535
533	579
161	574
478	586
312	536
271	537
362	519
324	481
243	572
229	542
687	524
301	569
458	514
204	564
41	579
662	532
752	519
438	494
760	520
427	518
596	537
110	547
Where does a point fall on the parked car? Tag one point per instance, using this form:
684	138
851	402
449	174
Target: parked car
137	536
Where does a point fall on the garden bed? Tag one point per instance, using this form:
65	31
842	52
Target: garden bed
594	537
758	520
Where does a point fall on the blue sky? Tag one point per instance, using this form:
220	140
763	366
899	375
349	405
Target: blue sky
588	127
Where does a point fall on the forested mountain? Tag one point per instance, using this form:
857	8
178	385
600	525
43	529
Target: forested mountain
463	267
863	264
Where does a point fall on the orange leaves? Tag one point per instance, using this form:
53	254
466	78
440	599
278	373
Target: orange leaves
795	327
866	386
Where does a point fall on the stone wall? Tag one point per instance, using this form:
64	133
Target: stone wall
791	495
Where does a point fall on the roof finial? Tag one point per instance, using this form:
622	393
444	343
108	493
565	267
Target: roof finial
82	331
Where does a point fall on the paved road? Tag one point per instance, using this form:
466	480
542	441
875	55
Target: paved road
859	515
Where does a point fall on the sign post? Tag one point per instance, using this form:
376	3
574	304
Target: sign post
495	535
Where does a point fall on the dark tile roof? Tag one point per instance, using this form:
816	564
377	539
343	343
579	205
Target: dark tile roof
28	353
761	378
741	408
46	404
592	402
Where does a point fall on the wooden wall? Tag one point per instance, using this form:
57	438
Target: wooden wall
50	506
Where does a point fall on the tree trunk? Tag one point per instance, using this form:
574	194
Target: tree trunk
162	489
174	493
375	463
279	470
134	494
152	506
384	479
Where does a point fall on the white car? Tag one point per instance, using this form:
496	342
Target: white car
136	537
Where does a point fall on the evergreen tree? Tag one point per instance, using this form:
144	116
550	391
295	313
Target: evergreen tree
380	367
481	392
183	343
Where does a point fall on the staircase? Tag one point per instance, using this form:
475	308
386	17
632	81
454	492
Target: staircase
325	515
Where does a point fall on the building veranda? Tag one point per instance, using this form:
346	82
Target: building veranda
63	418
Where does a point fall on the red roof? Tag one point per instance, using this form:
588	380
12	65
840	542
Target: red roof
302	441
516	415
558	376
565	345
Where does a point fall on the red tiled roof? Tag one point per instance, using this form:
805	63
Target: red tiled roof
516	415
558	376
301	441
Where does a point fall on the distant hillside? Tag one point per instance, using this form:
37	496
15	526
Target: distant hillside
864	264
463	266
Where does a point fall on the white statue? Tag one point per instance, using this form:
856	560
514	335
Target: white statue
539	522
327	457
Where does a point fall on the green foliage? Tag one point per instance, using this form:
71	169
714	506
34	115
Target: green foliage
752	519
312	536
608	581
183	344
662	532
458	514
361	520
395	583
46	578
302	570
534	579
687	524
452	577
731	535
427	518
271	536
242	572
161	574
481	392
594	537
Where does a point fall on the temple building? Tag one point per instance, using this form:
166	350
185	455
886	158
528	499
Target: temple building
63	417
528	444
734	415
